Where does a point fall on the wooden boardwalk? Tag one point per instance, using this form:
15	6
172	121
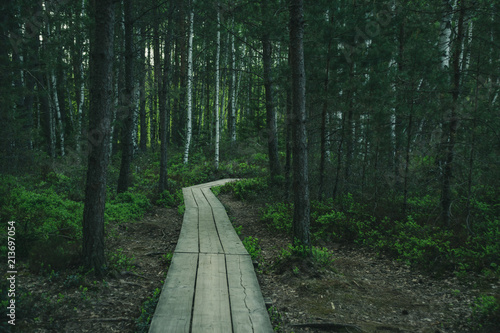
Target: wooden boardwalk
211	284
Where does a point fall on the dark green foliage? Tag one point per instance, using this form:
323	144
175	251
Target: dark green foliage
119	261
320	256
252	246
127	206
486	313
247	189
278	216
413	241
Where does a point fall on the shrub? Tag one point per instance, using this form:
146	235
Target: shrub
252	246
486	311
127	207
278	216
119	261
247	189
320	255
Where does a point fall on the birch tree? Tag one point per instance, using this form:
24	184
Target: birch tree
189	94
217	92
272	130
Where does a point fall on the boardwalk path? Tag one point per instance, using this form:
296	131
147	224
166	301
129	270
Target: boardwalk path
211	284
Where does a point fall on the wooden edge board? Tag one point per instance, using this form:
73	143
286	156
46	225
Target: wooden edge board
212	199
248	310
189	237
189	201
200	199
173	312
229	238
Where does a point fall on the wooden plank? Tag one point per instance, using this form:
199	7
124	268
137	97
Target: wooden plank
189	239
248	310
216	183
230	240
173	312
188	198
201	201
211	198
211	312
208	235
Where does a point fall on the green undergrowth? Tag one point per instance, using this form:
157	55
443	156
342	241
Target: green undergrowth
252	246
415	242
486	313
416	239
147	311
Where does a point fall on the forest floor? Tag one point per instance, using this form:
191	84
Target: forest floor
360	292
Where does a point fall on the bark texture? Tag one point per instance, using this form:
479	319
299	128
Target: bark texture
101	92
301	216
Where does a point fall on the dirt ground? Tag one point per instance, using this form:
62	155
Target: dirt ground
112	305
360	292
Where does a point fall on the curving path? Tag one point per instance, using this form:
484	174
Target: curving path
211	284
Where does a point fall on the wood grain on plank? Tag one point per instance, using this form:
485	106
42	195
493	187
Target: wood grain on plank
188	197
229	238
248	310
209	236
211	312
188	239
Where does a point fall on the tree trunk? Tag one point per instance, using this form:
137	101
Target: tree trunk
80	79
452	121
101	91
163	184
217	83
272	130
301	216
143	141
232	90
324	114
128	104
189	120
57	111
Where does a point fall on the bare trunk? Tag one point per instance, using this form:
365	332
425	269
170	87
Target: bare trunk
232	95
452	121
101	91
163	183
272	130
217	83
128	104
189	120
57	111
301	216
324	114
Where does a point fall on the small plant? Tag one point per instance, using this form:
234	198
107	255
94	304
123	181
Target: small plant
147	311
238	230
181	209
321	256
276	318
486	311
296	270
252	246
167	258
119	261
73	280
83	292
